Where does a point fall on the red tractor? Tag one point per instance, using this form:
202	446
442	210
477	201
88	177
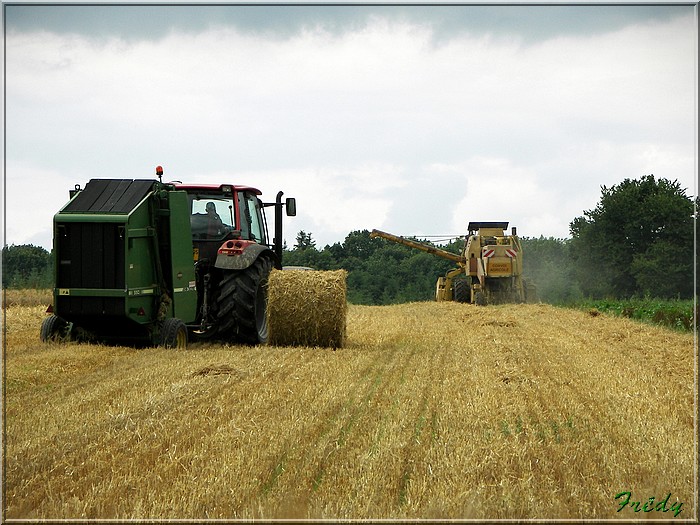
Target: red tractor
233	257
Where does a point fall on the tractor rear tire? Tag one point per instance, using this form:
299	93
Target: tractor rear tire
242	303
53	328
173	334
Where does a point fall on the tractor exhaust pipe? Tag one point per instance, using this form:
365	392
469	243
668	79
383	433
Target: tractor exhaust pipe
278	226
290	206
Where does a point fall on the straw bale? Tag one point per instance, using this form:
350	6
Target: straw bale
307	308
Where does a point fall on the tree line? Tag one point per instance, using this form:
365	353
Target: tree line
26	266
637	242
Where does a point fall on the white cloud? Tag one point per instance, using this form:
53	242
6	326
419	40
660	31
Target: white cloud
28	215
493	189
331	201
356	123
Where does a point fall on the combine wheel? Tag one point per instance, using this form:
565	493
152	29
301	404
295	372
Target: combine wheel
440	289
173	334
460	291
480	298
53	328
243	303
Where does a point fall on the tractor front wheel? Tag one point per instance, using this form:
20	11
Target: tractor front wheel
242	303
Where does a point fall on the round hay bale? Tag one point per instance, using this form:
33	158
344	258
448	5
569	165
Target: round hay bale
307	308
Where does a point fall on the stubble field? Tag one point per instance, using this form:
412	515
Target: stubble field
432	410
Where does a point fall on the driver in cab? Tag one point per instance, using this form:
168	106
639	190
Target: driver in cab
215	224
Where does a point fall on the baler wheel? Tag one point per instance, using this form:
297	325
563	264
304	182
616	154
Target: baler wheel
243	303
53	328
173	334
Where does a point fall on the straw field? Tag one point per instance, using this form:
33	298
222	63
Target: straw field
431	410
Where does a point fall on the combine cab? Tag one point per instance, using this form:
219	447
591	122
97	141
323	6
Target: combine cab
489	269
139	261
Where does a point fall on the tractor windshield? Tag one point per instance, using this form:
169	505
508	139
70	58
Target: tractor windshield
212	216
253	225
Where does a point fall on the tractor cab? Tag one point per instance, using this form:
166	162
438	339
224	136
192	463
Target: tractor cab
221	213
230	243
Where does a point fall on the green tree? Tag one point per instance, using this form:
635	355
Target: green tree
547	264
382	272
309	257
306	254
379	272
26	266
638	240
304	241
358	244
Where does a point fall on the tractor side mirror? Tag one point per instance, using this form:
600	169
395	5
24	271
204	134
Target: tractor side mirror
291	207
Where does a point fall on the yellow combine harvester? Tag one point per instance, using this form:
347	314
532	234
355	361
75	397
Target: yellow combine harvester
489	270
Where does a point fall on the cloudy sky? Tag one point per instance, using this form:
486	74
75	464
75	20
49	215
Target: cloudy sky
411	119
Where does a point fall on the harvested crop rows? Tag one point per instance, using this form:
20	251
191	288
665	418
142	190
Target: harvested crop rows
432	410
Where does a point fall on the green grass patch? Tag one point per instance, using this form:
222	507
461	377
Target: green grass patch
556	431
675	314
